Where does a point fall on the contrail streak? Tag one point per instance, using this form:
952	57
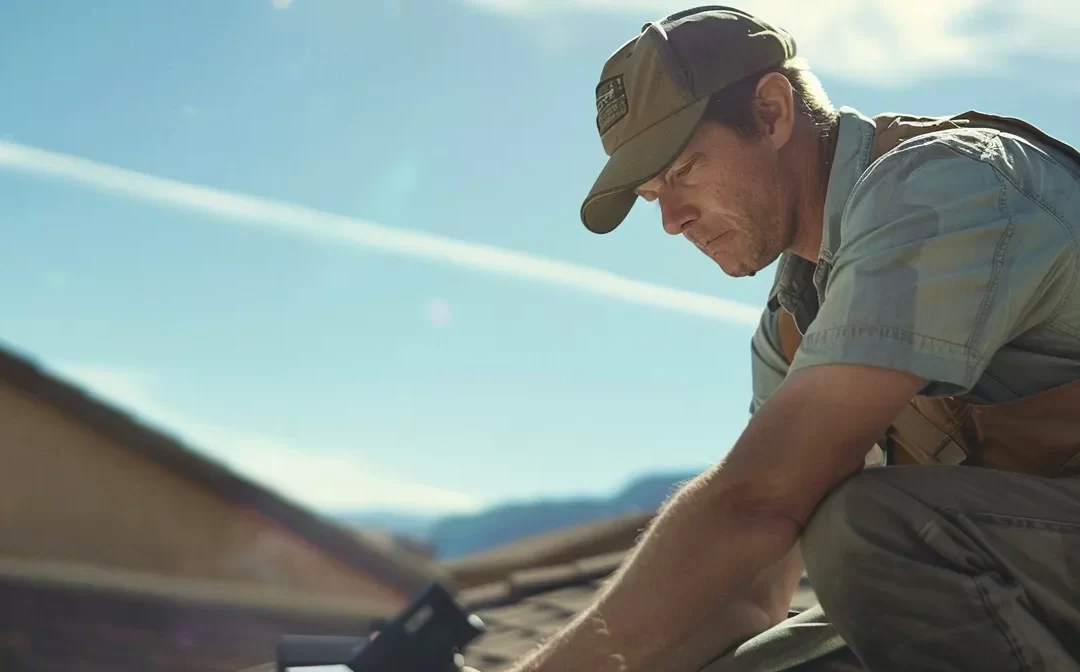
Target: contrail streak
282	216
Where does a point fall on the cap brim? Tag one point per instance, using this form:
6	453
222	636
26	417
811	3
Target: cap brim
635	162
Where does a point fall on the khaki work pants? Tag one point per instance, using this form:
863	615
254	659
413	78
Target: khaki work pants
932	569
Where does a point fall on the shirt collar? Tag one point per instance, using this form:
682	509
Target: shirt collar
800	284
854	140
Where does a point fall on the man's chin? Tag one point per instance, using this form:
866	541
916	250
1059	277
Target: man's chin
732	267
735	270
744	268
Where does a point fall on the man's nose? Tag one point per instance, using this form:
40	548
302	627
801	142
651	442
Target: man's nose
677	216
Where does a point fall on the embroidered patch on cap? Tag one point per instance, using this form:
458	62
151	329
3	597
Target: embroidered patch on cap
611	103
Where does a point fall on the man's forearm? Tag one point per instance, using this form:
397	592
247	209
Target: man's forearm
722	554
705	575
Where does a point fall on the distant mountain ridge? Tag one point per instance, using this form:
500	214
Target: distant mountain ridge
461	534
414	525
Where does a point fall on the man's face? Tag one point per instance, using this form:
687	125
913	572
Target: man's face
725	195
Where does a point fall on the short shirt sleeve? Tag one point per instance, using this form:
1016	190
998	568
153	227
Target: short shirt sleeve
942	261
768	365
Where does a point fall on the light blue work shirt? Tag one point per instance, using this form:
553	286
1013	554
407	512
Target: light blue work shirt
954	257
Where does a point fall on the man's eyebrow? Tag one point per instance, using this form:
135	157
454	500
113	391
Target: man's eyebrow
690	159
678	165
675	165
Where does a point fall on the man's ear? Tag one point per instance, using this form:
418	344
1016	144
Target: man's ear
775	102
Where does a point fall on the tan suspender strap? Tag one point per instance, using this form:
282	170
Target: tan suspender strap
790	338
893	129
926	442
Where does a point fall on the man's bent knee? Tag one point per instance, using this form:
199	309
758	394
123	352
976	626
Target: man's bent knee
853	532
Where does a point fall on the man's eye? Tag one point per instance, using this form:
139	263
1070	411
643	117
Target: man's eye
684	170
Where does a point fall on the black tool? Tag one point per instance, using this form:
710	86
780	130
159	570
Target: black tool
430	635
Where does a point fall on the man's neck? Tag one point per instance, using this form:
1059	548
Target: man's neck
819	150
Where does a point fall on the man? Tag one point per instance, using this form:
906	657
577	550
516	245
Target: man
926	304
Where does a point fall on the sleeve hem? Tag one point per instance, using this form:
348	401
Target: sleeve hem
933	359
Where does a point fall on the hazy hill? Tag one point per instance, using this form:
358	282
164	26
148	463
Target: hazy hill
457	535
396	522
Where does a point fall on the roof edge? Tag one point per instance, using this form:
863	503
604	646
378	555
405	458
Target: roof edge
211	592
407	574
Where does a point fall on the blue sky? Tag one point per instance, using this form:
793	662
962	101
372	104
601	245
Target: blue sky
335	243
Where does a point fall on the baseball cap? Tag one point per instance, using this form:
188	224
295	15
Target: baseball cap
654	89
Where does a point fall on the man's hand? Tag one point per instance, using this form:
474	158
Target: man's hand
720	562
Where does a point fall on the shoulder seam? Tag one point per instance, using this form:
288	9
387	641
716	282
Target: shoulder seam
1057	217
997	263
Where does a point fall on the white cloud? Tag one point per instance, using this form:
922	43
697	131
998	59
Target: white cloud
299	220
281	4
879	41
320	479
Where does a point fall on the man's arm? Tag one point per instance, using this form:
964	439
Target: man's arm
931	280
721	553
